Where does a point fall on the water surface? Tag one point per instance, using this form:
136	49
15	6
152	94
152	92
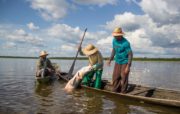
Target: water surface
20	94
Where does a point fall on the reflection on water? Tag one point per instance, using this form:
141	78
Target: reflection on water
19	92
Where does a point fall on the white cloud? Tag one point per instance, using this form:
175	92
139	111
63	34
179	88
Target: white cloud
58	40
127	21
31	26
105	41
156	32
67	47
96	35
9	45
96	2
162	11
149	35
131	24
19	35
64	31
139	38
70	37
16	41
16	35
105	45
73	34
50	9
34	51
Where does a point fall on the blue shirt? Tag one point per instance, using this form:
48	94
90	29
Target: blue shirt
122	48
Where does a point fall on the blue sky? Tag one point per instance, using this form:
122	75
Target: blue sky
29	26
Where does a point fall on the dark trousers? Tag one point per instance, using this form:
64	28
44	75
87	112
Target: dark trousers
44	72
120	78
89	76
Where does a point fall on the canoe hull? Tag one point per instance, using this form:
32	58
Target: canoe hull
159	96
158	101
44	80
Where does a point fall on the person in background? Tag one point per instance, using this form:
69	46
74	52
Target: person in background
122	54
96	62
44	66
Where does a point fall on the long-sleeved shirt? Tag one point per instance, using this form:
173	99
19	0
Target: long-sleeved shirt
44	63
95	60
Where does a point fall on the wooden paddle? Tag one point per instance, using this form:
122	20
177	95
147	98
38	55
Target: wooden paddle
72	66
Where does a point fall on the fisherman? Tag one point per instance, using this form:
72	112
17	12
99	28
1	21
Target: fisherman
96	63
122	54
44	66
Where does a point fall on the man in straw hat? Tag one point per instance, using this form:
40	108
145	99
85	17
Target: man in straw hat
96	63
122	54
44	66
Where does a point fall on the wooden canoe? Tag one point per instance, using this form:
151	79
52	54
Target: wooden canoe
139	93
47	79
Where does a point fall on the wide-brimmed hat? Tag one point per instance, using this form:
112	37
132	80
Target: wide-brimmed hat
43	53
89	50
118	32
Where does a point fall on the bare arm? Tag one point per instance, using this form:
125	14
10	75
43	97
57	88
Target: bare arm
38	65
50	65
111	57
130	56
112	54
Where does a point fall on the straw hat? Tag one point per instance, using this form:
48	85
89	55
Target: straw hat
43	53
89	50
118	32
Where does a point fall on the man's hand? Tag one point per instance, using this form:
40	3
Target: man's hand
108	62
79	48
90	67
127	69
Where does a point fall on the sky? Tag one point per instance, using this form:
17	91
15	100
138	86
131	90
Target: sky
28	26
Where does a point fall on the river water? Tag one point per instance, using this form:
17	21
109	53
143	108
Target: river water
19	94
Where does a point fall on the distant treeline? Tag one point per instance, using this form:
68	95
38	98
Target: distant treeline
84	58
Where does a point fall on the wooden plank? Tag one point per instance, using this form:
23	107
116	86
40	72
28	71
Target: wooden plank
142	90
139	90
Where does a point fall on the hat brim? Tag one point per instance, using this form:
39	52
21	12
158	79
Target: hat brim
43	55
117	34
86	52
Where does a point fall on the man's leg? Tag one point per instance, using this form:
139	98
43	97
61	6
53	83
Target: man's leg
49	72
124	79
116	78
98	79
38	73
87	78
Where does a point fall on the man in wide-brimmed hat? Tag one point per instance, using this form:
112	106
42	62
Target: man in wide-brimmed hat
96	63
44	66
122	54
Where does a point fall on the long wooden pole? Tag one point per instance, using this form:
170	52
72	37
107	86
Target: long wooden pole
73	64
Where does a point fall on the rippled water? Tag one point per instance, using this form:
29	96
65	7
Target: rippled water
20	94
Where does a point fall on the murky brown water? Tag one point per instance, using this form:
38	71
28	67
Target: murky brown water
20	94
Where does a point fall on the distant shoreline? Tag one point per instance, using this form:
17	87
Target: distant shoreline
85	58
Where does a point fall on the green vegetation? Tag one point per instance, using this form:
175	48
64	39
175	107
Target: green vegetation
18	57
156	59
85	58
